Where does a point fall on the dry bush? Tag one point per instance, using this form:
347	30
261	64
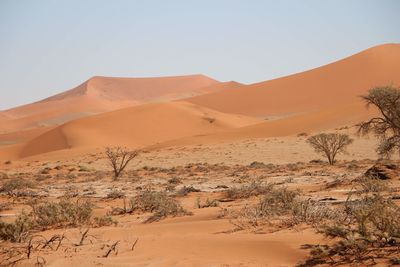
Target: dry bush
16	186
17	231
184	191
175	181
366	229
282	207
63	213
158	203
105	220
207	203
248	190
119	158
330	144
115	193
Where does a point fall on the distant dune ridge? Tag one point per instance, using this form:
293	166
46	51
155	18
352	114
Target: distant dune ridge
100	94
207	110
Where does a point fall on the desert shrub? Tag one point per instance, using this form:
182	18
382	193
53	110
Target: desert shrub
366	228
45	170
115	193
370	184
175	181
158	203
284	207
277	202
330	144
184	191
63	213
248	190
105	220
17	231
206	204
13	186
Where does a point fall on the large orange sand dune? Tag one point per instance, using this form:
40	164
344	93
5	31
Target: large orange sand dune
339	83
100	94
139	126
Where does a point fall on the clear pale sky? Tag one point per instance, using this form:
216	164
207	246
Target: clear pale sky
49	46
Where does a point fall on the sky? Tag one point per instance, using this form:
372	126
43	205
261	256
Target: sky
49	46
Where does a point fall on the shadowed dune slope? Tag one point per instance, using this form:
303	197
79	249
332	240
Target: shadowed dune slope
100	94
336	84
139	126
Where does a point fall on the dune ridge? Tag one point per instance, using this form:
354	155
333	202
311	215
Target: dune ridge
136	127
101	94
335	84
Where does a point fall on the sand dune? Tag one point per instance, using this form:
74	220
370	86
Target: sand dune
332	85
100	94
139	126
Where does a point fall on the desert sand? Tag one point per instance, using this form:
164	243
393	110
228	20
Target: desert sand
191	132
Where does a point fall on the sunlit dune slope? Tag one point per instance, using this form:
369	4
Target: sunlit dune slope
139	126
333	85
100	94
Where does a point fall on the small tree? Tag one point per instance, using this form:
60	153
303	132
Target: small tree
386	126
119	158
330	144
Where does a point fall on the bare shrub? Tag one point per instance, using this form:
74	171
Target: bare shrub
330	144
14	186
248	190
158	203
366	229
119	158
387	126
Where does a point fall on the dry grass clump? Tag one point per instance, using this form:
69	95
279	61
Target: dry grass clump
16	187
105	220
248	190
282	207
115	193
185	190
17	231
62	213
158	203
45	216
367	230
207	203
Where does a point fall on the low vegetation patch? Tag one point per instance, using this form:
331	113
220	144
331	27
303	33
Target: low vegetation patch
47	215
367	229
158	203
16	187
248	190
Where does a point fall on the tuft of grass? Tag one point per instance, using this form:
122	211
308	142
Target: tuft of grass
115	193
184	191
105	220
